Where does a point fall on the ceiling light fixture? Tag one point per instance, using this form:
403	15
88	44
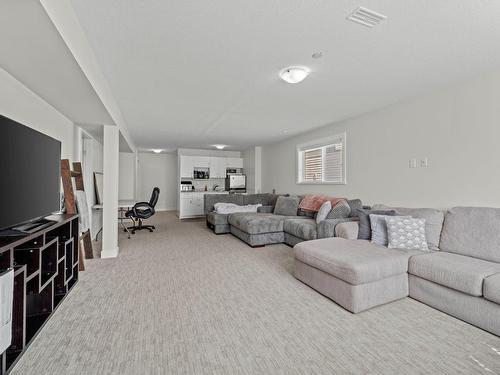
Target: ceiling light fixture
219	147
157	151
294	74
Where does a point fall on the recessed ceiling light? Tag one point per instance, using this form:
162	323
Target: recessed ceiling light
157	151
219	147
294	74
317	55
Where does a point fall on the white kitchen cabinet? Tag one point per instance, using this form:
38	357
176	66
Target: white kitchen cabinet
217	167
191	205
201	161
187	166
234	162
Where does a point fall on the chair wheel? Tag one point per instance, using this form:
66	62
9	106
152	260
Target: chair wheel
151	230
124	230
153	227
133	232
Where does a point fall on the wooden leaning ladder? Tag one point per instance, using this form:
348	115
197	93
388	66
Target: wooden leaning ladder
85	241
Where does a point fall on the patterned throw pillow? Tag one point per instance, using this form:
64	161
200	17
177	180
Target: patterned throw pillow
323	211
406	233
379	229
340	211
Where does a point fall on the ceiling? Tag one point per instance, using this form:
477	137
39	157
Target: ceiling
33	52
194	73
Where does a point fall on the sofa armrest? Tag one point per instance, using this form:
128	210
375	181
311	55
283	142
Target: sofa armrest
266	209
348	230
326	228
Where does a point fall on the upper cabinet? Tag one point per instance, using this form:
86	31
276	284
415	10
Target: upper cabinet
187	166
234	162
217	167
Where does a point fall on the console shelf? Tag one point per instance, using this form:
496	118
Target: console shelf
45	267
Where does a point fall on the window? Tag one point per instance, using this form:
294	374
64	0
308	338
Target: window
322	161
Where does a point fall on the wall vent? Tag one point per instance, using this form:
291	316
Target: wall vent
366	17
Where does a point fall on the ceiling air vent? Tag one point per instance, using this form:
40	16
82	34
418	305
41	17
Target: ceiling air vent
366	17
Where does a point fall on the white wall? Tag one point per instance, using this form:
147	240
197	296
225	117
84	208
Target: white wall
458	130
158	170
252	168
22	105
248	156
127	176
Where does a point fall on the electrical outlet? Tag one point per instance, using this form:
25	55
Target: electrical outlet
413	163
424	163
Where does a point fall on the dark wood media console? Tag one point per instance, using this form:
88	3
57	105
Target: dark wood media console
45	267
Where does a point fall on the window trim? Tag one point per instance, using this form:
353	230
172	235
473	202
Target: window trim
317	144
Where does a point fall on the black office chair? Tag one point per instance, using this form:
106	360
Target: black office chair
142	211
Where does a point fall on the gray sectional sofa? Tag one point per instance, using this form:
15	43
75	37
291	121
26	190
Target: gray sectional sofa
460	278
264	227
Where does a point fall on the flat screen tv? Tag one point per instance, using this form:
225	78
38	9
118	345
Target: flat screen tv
29	174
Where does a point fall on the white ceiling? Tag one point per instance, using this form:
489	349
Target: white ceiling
194	73
34	53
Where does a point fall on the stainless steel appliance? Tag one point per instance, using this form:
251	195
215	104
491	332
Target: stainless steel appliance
186	186
236	182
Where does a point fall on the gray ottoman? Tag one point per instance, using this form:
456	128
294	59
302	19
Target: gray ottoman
357	275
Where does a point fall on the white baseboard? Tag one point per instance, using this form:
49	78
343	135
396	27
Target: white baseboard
110	253
165	208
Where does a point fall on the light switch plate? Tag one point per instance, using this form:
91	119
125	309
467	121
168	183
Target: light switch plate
424	163
413	163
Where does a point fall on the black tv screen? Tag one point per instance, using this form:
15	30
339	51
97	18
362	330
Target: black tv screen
29	174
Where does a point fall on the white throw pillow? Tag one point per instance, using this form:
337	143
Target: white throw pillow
406	233
323	212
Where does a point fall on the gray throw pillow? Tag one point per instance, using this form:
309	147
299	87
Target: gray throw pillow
323	212
365	229
434	219
340	211
406	233
355	204
379	229
287	206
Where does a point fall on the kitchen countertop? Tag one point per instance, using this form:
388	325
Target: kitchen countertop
205	192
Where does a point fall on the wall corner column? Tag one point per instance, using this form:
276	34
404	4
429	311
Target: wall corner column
111	159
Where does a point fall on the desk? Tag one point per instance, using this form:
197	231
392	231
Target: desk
123	206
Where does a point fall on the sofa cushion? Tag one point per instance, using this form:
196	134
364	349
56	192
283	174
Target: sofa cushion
264	199
347	230
365	230
354	204
356	262
491	288
210	199
302	228
458	272
433	221
287	206
217	219
257	223
472	231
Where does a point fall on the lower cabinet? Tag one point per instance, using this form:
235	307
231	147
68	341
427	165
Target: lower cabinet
191	205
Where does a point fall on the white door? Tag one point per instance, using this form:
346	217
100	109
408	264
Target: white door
234	162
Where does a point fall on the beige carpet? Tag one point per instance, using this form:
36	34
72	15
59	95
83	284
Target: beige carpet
185	301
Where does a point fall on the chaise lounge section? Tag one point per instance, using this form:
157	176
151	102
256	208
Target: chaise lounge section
461	278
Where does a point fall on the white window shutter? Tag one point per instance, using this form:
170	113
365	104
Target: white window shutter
313	165
334	163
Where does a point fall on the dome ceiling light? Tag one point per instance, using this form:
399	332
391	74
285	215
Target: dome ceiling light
294	74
